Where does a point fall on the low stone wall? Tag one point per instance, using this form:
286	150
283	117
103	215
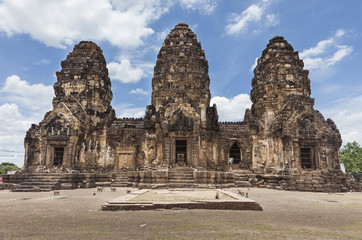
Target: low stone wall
312	181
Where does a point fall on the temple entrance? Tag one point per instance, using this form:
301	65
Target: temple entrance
58	156
306	157
234	154
181	152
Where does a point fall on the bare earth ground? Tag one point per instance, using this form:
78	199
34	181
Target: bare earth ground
76	214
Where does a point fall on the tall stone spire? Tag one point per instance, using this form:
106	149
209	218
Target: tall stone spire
83	82
181	70
279	74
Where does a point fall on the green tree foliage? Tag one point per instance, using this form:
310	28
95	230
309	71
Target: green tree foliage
351	157
5	167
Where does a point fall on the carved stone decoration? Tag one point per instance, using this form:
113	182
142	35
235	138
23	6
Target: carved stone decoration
282	143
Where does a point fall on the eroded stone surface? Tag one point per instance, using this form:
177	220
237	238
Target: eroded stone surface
282	142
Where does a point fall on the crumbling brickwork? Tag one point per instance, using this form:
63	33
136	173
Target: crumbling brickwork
282	142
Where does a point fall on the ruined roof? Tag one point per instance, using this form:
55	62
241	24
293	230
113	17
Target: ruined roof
181	69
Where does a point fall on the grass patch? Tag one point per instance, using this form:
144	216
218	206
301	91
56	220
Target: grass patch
356	227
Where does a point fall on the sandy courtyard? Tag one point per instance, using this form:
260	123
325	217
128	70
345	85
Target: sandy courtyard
76	214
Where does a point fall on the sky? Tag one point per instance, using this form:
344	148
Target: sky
36	35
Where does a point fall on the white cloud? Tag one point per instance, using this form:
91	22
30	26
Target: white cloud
231	109
12	133
163	34
138	91
253	14
203	6
35	97
23	104
43	61
272	20
254	65
347	114
327	52
62	23
128	110
124	71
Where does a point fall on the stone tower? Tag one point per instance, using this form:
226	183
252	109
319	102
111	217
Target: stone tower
181	71
287	131
83	82
181	98
73	133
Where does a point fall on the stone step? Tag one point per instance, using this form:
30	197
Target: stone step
31	190
180	175
124	184
180	185
33	182
243	183
181	181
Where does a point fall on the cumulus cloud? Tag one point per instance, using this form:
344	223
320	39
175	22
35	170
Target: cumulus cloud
128	110
231	109
138	91
62	23
203	6
253	14
327	52
347	114
124	71
12	132
22	105
35	97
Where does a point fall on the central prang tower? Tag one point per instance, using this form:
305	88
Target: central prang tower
181	99
181	72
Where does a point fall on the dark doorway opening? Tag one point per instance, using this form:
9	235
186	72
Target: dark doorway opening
306	157
58	156
181	152
234	155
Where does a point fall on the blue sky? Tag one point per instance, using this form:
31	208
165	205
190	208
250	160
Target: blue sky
36	35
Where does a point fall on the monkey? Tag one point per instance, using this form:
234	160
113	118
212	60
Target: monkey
113	189
100	189
56	192
241	193
36	189
217	195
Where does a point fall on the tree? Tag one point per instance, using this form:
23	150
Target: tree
5	167
351	157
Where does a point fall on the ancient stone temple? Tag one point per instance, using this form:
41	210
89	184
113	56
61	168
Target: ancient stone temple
282	143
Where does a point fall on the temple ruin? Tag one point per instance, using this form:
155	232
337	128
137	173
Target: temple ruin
282	142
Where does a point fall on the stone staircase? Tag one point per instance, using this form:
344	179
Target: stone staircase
181	177
44	181
242	180
120	179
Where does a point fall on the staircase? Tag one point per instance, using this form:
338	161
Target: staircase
180	177
44	181
242	180
120	179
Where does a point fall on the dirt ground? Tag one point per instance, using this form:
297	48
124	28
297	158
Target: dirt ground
76	214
